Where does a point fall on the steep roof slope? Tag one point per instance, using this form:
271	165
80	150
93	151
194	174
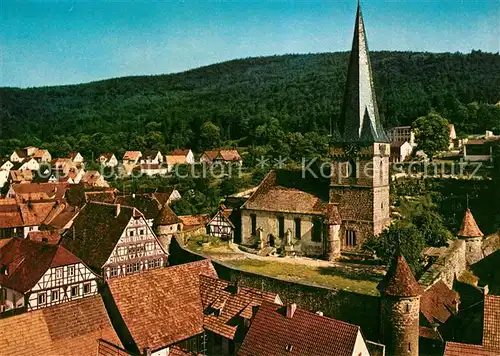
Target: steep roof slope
399	280
469	226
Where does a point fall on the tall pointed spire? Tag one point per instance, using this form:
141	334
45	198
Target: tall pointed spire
360	121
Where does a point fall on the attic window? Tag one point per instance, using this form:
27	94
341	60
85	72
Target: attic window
289	348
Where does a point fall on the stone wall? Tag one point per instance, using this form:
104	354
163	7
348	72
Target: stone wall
355	308
450	265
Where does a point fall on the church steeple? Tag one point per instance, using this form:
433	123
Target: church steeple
360	121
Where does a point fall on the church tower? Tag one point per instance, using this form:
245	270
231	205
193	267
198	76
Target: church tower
400	309
359	184
473	236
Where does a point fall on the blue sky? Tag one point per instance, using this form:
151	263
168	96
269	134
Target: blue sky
68	42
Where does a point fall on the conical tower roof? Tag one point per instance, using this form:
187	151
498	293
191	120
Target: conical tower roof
469	227
399	280
360	121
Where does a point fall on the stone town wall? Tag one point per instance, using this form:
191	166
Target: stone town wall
447	267
355	308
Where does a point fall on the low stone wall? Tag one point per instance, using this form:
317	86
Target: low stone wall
355	308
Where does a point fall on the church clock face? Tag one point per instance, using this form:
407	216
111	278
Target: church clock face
351	149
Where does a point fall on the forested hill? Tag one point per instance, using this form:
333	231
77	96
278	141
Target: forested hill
303	92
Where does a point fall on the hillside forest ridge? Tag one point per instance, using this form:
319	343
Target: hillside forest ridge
235	103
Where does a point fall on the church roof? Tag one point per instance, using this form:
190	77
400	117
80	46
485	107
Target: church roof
469	227
399	280
360	119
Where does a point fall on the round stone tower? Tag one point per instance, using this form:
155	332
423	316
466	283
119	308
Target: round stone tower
470	232
400	309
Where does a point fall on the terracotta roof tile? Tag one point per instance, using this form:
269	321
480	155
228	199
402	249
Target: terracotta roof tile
459	349
469	227
39	191
225	305
438	303
491	329
49	236
106	196
132	155
96	231
194	221
173	160
167	217
399	280
230	155
66	329
106	348
180	152
27	261
430	333
168	309
273	334
10	214
211	155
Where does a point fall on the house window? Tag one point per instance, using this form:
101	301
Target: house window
59	273
54	295
253	217
151	264
86	288
114	271
75	291
137	267
350	238
316	230
141	232
131	233
71	270
281	227
130	269
158	263
41	298
298	232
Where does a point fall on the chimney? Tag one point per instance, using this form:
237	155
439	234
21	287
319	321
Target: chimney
236	287
118	209
319	312
290	310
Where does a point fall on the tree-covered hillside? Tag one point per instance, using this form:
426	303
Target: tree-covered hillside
303	92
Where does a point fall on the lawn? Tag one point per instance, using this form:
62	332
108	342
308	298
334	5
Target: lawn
361	280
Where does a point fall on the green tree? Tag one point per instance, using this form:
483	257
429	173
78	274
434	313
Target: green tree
209	136
431	133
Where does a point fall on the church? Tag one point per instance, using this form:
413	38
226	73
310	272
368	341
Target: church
302	215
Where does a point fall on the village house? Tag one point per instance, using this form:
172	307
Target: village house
6	165
11	222
400	151
187	153
37	191
51	236
222	156
179	320
228	310
94	179
67	329
221	225
193	225
17	176
147	204
107	160
131	157
22	154
491	333
37	275
151	169
75	157
42	156
402	134
173	161
152	157
114	240
288	330
28	164
480	149
167	223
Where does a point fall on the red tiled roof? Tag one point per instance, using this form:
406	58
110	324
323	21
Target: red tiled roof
173	160
180	152
273	334
27	261
50	236
399	280
230	155
192	221
39	191
430	333
491	328
167	217
132	155
232	302
469	227
106	348
438	302
168	308
211	155
36	213
67	329
459	349
10	215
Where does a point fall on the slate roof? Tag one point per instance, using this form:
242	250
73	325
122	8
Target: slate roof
288	191
96	231
399	280
469	227
145	203
438	303
66	329
491	328
168	308
306	333
27	261
233	304
360	119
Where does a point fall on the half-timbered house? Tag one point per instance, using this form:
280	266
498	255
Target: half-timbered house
114	240
220	225
35	275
